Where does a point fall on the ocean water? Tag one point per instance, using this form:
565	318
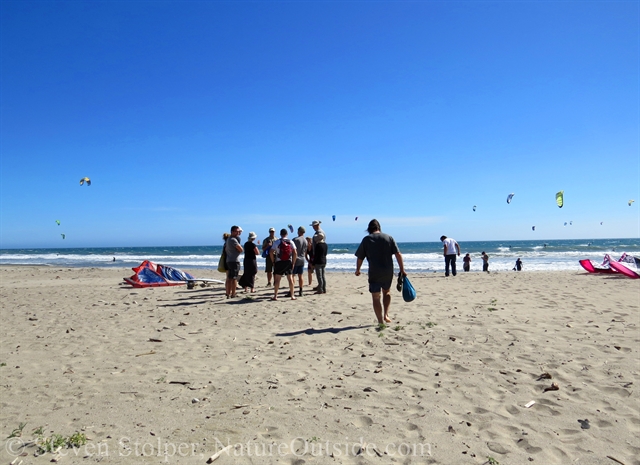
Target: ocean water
551	255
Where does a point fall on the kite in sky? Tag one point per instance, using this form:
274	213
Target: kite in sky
631	201
560	199
533	228
474	208
509	197
356	218
87	180
58	222
334	217
63	236
291	228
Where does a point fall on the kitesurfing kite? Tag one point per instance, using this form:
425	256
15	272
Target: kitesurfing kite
87	180
509	197
58	222
560	199
565	223
474	208
356	218
533	228
334	217
290	228
63	236
631	201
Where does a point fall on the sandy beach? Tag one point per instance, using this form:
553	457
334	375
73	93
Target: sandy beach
171	375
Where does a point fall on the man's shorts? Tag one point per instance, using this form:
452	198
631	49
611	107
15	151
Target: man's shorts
269	265
298	269
282	268
233	270
377	287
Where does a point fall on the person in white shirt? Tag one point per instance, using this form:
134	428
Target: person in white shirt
451	250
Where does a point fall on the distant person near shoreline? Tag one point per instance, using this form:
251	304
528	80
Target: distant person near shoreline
451	249
485	262
518	266
466	262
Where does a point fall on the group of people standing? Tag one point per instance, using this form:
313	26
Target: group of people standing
452	249
284	257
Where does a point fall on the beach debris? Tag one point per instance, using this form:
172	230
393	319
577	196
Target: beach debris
529	404
509	197
553	387
369	389
451	430
560	199
544	376
237	406
151	352
584	424
219	453
85	179
615	460
195	400
184	383
154	340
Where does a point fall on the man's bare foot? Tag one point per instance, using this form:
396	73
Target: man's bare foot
293	298
273	298
387	319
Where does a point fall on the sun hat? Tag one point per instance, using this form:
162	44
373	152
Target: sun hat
252	235
315	222
272	230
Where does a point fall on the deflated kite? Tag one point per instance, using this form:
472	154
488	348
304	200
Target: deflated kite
87	180
560	199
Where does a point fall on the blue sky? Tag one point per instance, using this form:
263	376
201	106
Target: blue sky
193	116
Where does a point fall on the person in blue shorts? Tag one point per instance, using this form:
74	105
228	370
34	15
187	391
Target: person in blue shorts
379	249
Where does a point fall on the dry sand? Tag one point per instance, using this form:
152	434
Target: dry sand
446	383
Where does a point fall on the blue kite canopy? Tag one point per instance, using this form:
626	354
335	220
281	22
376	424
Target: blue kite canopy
150	274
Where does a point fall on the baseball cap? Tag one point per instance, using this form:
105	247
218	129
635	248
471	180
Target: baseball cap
272	229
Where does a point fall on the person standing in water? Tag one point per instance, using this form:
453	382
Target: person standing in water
466	263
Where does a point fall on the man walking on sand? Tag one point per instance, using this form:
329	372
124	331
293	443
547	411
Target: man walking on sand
451	249
379	248
266	245
283	255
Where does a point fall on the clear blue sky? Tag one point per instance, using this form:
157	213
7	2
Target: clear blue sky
191	116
